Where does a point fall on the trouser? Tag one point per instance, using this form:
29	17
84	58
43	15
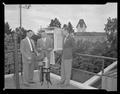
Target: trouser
66	67
28	72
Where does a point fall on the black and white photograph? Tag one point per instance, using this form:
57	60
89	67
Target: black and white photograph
60	46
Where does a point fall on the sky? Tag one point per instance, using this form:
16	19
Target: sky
40	15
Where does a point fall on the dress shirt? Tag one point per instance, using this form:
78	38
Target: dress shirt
30	44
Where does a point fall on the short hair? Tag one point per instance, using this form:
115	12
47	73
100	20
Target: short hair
29	31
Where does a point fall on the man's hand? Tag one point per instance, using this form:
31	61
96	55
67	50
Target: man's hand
38	54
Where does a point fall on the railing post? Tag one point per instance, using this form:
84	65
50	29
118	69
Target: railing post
9	67
102	72
17	84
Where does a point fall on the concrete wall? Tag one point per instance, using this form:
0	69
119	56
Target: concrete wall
91	38
110	83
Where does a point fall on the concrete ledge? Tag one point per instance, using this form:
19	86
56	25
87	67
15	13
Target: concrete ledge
95	78
74	83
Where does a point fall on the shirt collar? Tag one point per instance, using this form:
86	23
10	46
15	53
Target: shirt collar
27	37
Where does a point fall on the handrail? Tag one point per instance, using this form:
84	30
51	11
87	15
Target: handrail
93	73
101	57
94	56
111	72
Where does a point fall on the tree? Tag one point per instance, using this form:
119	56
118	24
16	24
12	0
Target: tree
111	32
55	23
21	33
70	28
7	28
8	37
99	48
111	28
65	27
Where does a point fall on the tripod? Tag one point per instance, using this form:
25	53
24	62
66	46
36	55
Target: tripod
44	72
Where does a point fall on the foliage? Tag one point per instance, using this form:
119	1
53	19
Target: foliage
105	48
99	48
55	23
70	28
65	27
8	42
21	32
87	63
83	46
111	31
8	30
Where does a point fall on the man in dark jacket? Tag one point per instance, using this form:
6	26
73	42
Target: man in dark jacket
66	64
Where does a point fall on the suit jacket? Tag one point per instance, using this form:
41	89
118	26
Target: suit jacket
26	51
68	47
45	45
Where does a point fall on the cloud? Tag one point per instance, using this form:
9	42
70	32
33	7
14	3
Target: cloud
95	16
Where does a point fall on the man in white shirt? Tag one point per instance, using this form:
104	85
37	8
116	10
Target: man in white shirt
28	51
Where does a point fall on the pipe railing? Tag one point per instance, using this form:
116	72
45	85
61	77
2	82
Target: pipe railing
94	56
100	57
85	55
93	73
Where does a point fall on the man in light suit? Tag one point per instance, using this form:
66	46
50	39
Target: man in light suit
45	46
66	64
27	48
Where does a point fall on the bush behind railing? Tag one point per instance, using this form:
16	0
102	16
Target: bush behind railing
79	62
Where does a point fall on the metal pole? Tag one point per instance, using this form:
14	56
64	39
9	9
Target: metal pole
20	6
17	84
102	72
20	15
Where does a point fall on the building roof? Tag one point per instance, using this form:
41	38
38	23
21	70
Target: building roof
50	29
81	23
90	33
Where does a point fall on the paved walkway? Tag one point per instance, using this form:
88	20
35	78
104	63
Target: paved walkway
9	84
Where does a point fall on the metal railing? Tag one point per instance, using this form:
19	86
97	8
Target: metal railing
92	73
103	63
84	55
10	65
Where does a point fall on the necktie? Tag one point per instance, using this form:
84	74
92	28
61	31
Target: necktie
32	45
